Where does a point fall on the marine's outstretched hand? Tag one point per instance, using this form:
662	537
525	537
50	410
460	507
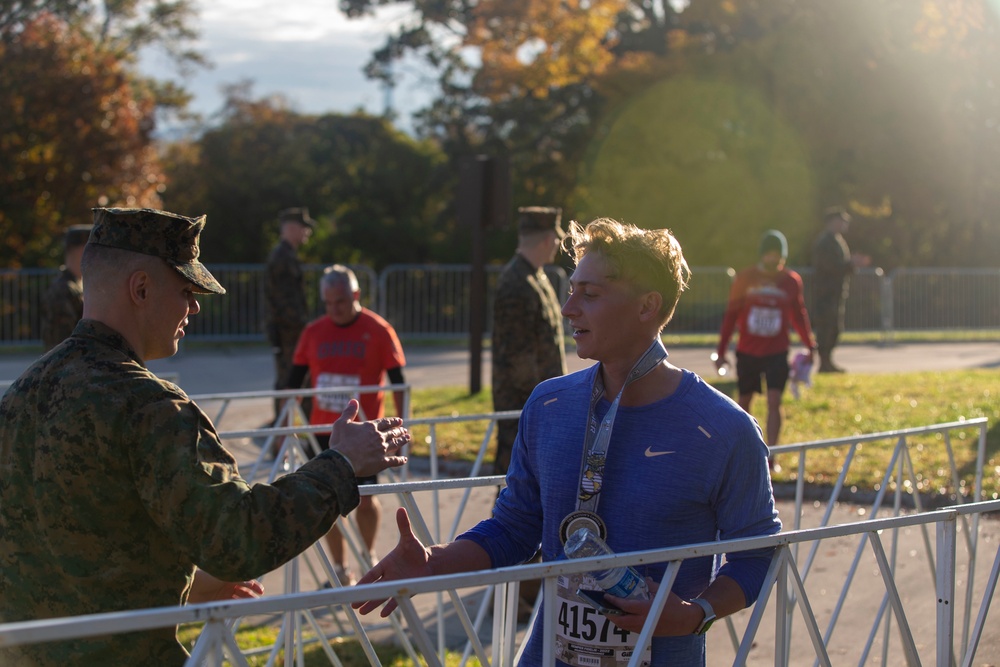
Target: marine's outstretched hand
370	446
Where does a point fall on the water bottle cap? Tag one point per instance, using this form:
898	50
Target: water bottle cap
582	519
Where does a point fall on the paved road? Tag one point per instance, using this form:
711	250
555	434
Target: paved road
249	368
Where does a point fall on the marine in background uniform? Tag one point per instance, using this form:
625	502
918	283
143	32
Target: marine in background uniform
287	311
527	342
834	264
62	306
115	485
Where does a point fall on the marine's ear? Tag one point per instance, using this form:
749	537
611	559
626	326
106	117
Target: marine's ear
139	282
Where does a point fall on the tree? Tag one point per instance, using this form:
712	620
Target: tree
537	79
378	194
884	107
15	14
74	133
122	27
727	118
76	120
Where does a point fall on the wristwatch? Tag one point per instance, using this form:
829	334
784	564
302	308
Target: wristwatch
706	622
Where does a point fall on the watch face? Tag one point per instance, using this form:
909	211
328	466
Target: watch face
705	626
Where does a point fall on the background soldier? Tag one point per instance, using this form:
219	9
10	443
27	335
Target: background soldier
833	264
62	306
287	312
527	325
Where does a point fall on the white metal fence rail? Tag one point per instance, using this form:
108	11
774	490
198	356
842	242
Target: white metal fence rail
785	592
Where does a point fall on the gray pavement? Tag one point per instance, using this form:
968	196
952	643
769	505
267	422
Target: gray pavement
203	370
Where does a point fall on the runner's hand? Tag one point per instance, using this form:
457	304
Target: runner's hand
409	560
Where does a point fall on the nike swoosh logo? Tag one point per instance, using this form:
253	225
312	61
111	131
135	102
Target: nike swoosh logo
650	453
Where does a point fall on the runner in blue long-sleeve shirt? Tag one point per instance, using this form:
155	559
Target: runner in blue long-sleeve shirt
645	452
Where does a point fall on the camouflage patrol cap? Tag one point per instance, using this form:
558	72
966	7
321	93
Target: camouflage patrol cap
172	237
299	215
540	219
76	236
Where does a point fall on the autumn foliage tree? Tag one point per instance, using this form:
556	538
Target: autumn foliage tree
74	133
884	107
725	118
76	116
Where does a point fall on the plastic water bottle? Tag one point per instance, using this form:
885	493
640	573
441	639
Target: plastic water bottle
623	582
721	370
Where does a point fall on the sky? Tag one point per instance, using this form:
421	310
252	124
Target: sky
307	50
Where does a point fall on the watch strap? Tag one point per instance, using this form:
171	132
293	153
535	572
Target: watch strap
706	622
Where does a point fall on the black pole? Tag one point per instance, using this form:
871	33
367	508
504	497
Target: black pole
483	203
477	308
471	186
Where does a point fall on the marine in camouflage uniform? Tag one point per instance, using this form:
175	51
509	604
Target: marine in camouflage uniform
287	311
527	339
114	485
833	267
62	306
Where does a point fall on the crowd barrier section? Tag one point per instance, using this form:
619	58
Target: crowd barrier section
424	301
785	594
783	582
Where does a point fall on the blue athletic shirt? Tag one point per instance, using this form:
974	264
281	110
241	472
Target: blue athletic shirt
712	485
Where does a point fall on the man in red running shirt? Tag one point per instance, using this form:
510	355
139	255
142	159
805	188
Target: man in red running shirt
764	302
350	346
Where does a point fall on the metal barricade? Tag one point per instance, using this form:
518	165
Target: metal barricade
432	300
951	560
21	294
945	299
784	591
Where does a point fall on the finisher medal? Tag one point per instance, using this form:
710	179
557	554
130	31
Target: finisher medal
574	521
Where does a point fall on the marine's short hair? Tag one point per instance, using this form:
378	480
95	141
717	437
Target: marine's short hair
647	259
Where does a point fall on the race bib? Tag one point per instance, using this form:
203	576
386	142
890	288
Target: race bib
336	402
764	322
584	636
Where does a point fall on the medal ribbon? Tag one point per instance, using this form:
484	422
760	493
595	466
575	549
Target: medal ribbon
598	438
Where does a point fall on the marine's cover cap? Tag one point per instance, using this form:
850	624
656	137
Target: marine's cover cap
172	237
540	219
299	215
76	236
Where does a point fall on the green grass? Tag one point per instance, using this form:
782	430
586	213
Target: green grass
836	406
710	339
349	652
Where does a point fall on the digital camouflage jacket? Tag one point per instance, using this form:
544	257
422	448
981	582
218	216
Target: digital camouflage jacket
114	485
